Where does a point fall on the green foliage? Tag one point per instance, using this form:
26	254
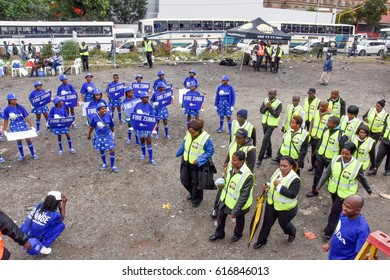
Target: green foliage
70	50
21	9
311	9
46	51
372	12
347	17
127	11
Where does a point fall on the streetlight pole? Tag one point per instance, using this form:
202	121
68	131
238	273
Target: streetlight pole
335	12
318	7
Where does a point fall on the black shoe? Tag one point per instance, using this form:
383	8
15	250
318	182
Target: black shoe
188	197
311	169
258	162
275	160
215	237
196	204
214	214
386	173
371	172
266	156
311	194
235	238
258	245
291	238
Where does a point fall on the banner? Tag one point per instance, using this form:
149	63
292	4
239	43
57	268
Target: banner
193	102
92	110
20	135
137	87
117	91
143	122
69	98
164	99
61	122
128	106
41	100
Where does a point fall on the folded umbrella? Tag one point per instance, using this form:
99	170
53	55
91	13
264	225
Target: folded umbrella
256	217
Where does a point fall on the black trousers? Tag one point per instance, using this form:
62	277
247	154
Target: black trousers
268	59
276	64
238	229
217	199
334	215
284	219
266	146
149	58
6	254
314	144
383	151
189	179
259	59
84	60
320	52
320	166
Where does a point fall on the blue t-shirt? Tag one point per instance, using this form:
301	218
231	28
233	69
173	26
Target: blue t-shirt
36	93
157	81
58	111
106	119
41	223
187	81
112	84
88	96
225	92
348	238
145	109
68	88
20	112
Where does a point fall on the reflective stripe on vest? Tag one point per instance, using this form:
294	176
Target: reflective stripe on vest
319	125
84	50
292	143
233	148
1	245
232	190
350	128
344	180
362	152
310	109
194	148
148	46
260	50
280	202
235	126
376	121
330	145
386	135
335	106
289	114
267	117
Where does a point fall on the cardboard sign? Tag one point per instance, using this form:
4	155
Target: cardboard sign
117	91
41	100
61	122
137	87
182	91
143	122
164	99
128	106
69	98
20	135
193	102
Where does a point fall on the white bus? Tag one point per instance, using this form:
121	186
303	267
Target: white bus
181	31
384	34
342	34
121	35
41	32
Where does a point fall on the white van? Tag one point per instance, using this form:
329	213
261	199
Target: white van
136	43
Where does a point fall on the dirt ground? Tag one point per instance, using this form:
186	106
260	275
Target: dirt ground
121	216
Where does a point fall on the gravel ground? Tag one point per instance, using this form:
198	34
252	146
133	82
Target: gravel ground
120	216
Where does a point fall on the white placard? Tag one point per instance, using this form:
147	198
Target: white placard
85	105
20	135
182	91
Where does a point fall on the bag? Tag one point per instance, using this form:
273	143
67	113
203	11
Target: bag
41	72
228	62
206	176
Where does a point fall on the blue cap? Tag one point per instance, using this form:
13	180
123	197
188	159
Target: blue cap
192	71
143	94
11	96
159	73
88	74
192	84
37	83
100	105
138	76
97	91
63	77
128	88
161	85
56	100
36	247
225	78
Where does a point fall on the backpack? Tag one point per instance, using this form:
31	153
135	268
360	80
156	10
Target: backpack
228	62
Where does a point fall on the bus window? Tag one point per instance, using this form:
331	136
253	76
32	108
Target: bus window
296	28
227	25
196	25
329	29
286	27
217	25
185	25
160	26
313	29
321	29
346	30
238	23
338	30
304	28
173	25
148	29
207	25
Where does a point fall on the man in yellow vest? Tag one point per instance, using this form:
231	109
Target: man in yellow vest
259	50
336	103
342	175
269	50
236	197
278	55
293	109
9	228
311	105
271	109
84	54
332	141
242	122
383	151
148	51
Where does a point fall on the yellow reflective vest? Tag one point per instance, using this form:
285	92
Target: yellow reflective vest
343	181
362	152
376	121
233	185
280	202
292	143
319	124
386	134
349	128
233	148
267	117
335	106
330	144
148	46
194	148
290	112
235	126
84	50
311	108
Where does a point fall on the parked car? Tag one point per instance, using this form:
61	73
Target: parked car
187	48
366	47
308	46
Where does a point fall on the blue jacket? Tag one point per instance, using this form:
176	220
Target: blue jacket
209	151
328	65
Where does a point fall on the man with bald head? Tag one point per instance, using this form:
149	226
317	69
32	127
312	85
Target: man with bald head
351	231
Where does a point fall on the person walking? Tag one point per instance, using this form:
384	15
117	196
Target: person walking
293	109
350	123
327	68
194	47
383	151
365	147
161	113
38	111
148	51
84	54
225	99
242	122
337	104
311	105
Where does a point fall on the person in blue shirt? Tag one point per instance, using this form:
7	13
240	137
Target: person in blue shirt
324	80
117	102
97	98
39	110
189	168
45	222
188	112
129	93
64	89
208	45
17	117
161	113
351	232
224	103
103	139
87	89
138	79
145	108
57	112
161	79
1	138
190	78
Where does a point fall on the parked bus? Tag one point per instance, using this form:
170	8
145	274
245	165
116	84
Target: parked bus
342	34
181	31
124	34
41	32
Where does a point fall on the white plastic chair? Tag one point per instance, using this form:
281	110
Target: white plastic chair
77	66
60	69
16	70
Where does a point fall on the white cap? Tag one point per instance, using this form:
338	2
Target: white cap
56	194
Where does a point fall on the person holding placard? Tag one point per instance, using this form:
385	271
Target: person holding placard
138	85
69	95
117	101
190	78
97	98
103	139
17	117
58	112
162	113
129	97
87	89
161	79
224	103
38	111
191	113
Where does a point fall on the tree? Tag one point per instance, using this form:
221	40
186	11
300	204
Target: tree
348	16
77	10
127	11
372	12
21	10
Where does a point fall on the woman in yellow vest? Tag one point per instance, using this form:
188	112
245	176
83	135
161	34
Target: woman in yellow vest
350	123
383	151
376	119
196	149
342	175
365	148
282	203
236	197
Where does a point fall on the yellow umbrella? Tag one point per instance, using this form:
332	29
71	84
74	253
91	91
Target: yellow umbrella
256	216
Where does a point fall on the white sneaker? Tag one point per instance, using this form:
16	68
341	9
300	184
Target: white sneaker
45	250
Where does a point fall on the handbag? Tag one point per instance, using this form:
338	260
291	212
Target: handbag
206	176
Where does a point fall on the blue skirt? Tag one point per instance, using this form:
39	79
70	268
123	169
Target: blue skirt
16	126
192	113
224	108
142	133
60	130
162	113
115	102
103	142
40	110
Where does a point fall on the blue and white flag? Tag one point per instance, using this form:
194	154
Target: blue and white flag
116	91
128	106
70	99
137	87
143	122
192	102
164	99
41	100
61	122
